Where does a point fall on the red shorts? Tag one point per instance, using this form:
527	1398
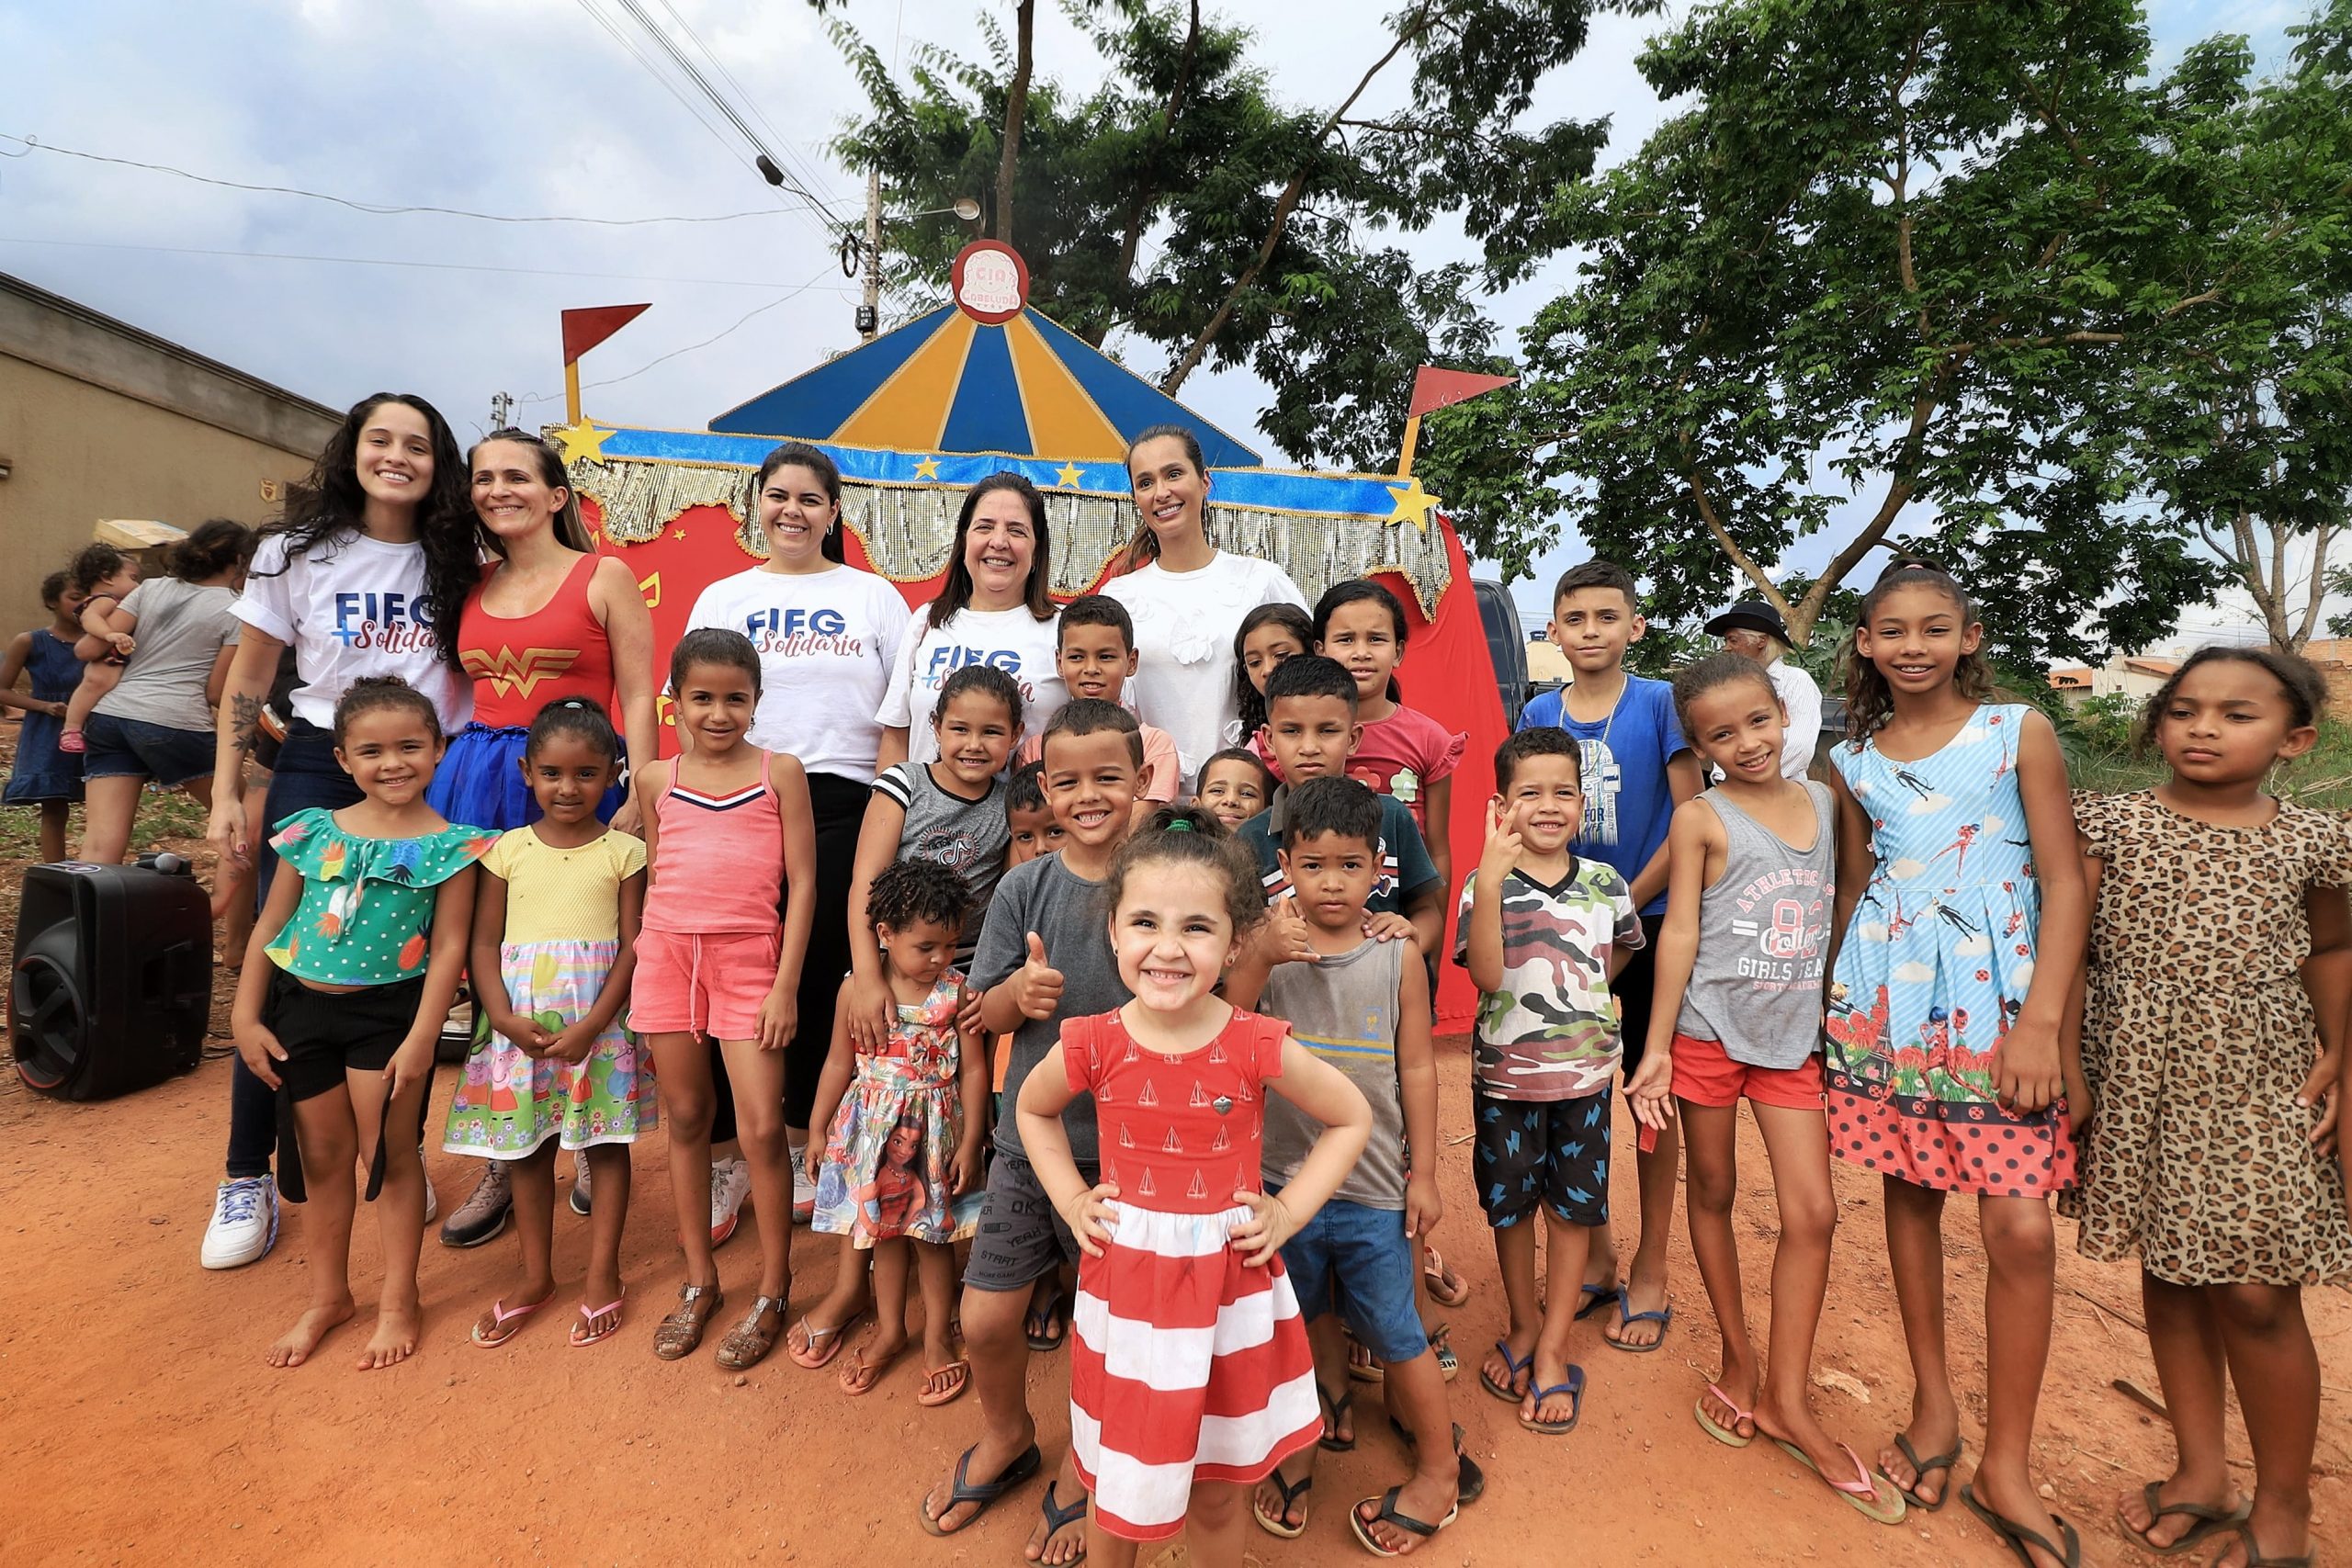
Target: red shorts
712	984
1704	1075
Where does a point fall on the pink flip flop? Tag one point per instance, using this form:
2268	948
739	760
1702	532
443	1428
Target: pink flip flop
1861	1492
583	1336
1727	1436
500	1317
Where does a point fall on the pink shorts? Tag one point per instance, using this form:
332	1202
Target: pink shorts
1705	1075
710	984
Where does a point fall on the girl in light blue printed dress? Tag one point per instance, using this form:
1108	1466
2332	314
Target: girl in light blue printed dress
1962	896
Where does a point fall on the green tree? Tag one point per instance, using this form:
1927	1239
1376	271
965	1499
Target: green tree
1172	200
2236	407
1871	285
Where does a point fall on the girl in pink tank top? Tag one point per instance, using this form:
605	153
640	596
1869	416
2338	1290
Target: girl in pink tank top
729	837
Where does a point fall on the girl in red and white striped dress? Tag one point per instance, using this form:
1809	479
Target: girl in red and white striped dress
1190	1374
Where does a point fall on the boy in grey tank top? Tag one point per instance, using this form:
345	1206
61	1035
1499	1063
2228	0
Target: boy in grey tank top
1751	889
1364	1006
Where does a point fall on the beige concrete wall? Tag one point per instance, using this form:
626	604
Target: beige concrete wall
78	452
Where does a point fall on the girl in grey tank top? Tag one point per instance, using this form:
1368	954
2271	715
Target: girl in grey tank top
1763	934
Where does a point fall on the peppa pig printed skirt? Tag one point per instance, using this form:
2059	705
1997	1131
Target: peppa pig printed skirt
509	1103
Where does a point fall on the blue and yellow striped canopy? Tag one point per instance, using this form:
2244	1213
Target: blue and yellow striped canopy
946	382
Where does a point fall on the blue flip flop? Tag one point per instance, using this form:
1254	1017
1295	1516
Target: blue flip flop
1573	1387
1663	1317
1517	1364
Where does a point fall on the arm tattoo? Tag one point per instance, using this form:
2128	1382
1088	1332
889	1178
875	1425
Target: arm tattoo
244	717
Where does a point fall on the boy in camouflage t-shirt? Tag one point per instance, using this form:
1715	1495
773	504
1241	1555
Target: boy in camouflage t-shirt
1543	934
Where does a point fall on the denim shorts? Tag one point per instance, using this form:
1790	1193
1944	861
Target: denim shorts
133	749
1357	1261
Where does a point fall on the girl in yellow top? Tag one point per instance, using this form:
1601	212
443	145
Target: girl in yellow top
352	968
554	946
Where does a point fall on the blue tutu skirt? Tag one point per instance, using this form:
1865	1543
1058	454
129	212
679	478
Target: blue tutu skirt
479	782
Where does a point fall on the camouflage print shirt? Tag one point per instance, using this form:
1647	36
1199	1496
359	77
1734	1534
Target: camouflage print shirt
1551	1032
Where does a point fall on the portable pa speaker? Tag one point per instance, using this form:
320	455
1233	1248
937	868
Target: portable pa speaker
112	987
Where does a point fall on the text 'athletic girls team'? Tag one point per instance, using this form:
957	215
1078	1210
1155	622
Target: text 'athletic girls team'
1103	936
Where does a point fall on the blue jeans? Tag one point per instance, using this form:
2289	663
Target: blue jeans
1357	1261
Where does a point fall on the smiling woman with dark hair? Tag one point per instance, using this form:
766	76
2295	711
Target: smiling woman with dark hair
364	577
993	609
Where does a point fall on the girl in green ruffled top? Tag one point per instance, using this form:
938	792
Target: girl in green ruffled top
365	939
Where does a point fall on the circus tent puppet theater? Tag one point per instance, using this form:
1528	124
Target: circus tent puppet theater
986	385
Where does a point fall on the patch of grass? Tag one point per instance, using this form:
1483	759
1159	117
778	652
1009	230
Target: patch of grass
2100	759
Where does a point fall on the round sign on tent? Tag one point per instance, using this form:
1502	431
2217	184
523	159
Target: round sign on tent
989	281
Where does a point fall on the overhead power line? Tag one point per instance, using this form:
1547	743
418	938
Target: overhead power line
403	262
379	208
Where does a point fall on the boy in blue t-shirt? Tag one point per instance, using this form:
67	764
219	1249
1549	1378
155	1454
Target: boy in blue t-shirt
1636	769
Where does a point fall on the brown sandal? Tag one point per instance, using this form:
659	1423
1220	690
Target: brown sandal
746	1344
679	1335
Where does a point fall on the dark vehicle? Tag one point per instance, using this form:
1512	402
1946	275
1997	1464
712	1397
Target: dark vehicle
1505	644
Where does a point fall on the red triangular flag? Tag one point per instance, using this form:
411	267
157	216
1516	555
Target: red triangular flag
584	330
1434	389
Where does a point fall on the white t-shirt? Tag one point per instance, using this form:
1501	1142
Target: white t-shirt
827	642
351	606
1801	734
1013	640
1184	626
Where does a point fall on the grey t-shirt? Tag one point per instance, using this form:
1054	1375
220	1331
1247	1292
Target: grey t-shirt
181	629
968	836
1343	1009
1763	932
1067	913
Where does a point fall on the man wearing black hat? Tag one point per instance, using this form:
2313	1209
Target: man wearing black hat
1754	627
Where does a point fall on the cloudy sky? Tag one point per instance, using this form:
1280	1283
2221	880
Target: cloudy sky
561	107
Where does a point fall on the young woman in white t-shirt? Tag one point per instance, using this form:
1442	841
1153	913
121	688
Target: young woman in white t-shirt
1187	597
993	609
365	575
828	637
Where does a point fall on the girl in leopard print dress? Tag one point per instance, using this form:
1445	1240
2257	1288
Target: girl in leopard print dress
2218	981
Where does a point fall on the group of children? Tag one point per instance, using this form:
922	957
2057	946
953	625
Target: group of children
1219	1095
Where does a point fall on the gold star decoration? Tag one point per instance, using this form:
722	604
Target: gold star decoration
679	532
1413	503
582	442
1069	476
927	468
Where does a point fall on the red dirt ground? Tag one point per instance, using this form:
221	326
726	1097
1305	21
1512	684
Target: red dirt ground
143	1426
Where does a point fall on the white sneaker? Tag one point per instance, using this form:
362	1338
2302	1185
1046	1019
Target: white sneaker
804	1191
245	1224
730	1183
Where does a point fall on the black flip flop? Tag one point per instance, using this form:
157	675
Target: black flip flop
1279	1526
1389	1515
1946	1462
2017	1537
1332	1443
1471	1484
2254	1558
1056	1518
2210	1521
1057	1307
984	1492
1601	1298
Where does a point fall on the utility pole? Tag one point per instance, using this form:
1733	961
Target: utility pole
501	411
869	314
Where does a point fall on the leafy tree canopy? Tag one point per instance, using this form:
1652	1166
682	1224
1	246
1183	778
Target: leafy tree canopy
1875	284
1172	198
